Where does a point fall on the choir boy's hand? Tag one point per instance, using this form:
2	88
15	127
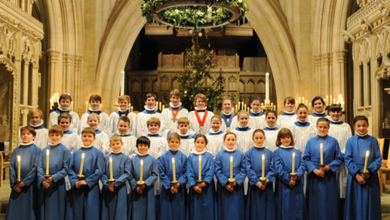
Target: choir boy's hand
233	184
294	177
360	179
325	168
202	184
21	184
319	173
176	185
174	190
292	183
198	189
366	175
142	186
139	190
46	184
49	179
111	188
214	158
262	185
16	188
229	187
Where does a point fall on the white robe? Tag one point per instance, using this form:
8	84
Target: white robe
113	123
342	132
129	147
286	121
244	139
103	118
142	127
74	126
302	135
313	118
42	138
167	124
257	122
71	141
186	145
233	124
194	122
215	142
271	136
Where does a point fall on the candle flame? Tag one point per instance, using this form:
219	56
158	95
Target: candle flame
173	159
321	145
294	154
263	156
367	153
231	158
110	159
142	161
47	152
200	158
82	155
18	158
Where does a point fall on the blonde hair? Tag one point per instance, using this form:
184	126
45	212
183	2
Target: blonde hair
89	130
33	111
217	117
175	92
66	116
174	136
284	132
29	129
93	115
153	120
227	99
228	133
56	129
115	138
183	120
200	96
242	112
124	98
258	131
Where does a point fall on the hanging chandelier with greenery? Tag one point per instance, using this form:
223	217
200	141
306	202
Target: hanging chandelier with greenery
194	14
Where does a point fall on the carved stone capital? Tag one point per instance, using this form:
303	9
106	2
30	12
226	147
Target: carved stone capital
53	55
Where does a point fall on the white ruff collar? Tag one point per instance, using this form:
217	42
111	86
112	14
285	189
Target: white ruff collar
194	151
300	120
323	112
340	120
361	135
37	125
63	109
263	146
255	112
229	150
119	109
196	108
149	109
286	147
89	146
186	134
285	111
26	144
213	132
93	110
139	154
173	106
223	112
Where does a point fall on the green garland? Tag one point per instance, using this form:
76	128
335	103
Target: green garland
193	15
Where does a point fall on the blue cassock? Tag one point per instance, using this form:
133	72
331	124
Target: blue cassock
143	205
23	205
230	204
362	201
84	203
52	201
290	202
201	206
260	203
321	193
173	206
115	203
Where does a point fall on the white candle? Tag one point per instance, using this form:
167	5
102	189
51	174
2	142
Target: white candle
111	168
322	154
47	162
142	170
82	164
365	162
231	168
200	167
18	168
267	86
263	166
86	106
71	106
173	169
293	163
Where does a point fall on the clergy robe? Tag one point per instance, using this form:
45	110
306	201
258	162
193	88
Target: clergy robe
74	125
173	206
286	120
41	140
230	205
53	200
23	205
186	144
168	124
229	122
362	201
201	206
114	205
302	132
321	193
342	132
71	141
290	202
143	205
84	203
215	142
195	124
114	120
257	120
313	118
260	203
271	135
103	118
142	118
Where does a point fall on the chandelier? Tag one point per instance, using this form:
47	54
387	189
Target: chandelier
194	14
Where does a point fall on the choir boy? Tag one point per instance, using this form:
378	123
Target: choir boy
288	118
123	110
70	140
95	102
65	102
187	140
229	119
129	141
85	171
215	135
256	116
149	112
101	141
22	176
318	104
243	132
36	121
52	170
271	130
117	172
200	116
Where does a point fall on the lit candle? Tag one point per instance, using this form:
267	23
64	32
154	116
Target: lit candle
174	169
156	105
111	168
18	168
231	168
129	105
242	105
47	162
306	102
233	111
131	108
342	105
58	98
236	107
330	100
322	154
365	162
142	170
334	101
262	166
303	99
71	106
272	104
82	164
159	105
200	168
266	86
101	106
239	106
86	106
299	100
293	163
327	100
248	109
274	107
296	103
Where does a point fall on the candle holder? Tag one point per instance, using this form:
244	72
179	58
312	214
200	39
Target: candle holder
293	174
141	182
174	181
199	181
80	176
231	180
47	176
262	179
322	165
365	171
111	180
19	180
267	106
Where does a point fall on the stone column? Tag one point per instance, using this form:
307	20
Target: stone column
55	77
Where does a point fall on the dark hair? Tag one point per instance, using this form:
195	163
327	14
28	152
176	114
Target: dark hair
228	133
174	136
301	105
360	118
30	129
124	119
201	136
66	116
256	99
290	100
143	140
65	96
317	98
95	98
56	129
258	131
335	108
269	112
89	130
323	119
284	132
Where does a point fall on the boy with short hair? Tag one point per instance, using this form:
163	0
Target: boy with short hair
200	117
69	139
170	116
53	187
187	140
95	102
36	121
123	110
129	148
115	200
101	142
149	112
65	101
288	118
84	199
